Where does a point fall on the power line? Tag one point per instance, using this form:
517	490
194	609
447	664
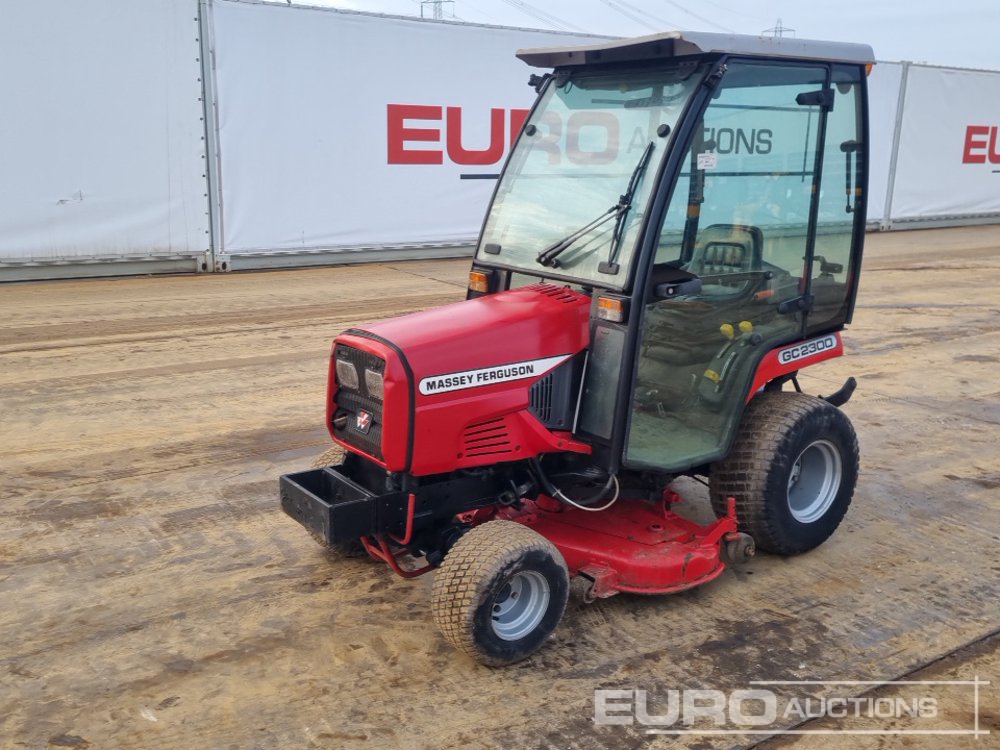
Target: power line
633	12
628	14
541	15
691	13
665	23
480	11
730	10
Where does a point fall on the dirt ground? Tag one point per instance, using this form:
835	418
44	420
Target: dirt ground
154	596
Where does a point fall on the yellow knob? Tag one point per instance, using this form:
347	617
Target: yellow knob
746	326
727	330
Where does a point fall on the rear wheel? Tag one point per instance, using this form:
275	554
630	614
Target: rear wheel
792	470
500	592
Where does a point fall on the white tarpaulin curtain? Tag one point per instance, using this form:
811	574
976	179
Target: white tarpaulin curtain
325	118
883	96
345	130
101	140
949	149
338	130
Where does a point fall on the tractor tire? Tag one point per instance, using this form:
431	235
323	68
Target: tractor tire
792	470
347	550
353	548
329	457
500	592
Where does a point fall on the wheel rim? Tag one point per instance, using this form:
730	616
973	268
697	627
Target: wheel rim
520	605
814	481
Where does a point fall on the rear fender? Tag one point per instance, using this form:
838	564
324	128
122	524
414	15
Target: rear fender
787	359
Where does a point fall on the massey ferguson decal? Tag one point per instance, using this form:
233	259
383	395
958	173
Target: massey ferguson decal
982	142
807	349
457	381
363	421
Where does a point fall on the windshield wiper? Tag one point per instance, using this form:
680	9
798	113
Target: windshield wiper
610	266
547	257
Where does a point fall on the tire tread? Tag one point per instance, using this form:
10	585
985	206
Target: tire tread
759	446
460	583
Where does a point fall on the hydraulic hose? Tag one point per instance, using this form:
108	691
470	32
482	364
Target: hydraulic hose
583	504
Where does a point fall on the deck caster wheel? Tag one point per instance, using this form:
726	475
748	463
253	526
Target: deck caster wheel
739	550
582	588
500	592
792	470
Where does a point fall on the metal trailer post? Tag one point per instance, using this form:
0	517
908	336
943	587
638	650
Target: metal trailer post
894	156
217	260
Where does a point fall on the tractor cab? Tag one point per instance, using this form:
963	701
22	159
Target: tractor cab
676	234
708	192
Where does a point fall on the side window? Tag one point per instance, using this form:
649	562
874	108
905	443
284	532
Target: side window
843	174
738	220
742	203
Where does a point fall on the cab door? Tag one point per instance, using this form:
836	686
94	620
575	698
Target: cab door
733	264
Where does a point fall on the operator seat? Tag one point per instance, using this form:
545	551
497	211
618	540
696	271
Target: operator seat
727	248
683	339
686	331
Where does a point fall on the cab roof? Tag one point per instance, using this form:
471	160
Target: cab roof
672	44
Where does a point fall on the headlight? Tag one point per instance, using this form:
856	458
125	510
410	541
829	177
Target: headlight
347	375
373	381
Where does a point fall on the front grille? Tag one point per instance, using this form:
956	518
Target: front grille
553	398
350	402
540	399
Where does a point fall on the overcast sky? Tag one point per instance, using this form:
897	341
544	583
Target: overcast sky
962	33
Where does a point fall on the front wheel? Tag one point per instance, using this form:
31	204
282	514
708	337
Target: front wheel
500	592
792	470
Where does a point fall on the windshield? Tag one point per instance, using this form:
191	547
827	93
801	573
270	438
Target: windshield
579	180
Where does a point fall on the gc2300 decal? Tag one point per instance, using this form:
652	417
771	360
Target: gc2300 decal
457	381
807	349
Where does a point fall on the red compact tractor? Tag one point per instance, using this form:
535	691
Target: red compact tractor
676	233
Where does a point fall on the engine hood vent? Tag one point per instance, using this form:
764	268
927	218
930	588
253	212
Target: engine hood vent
488	438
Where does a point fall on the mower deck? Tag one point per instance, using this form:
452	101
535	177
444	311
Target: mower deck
633	546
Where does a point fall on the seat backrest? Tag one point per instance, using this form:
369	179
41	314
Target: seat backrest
726	248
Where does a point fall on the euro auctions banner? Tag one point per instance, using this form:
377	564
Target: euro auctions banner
341	129
949	148
350	130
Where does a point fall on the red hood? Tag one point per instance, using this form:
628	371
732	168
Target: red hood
532	322
465	400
